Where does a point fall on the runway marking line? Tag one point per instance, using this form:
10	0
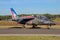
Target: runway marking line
29	34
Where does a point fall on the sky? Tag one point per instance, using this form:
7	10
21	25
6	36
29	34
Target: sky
30	6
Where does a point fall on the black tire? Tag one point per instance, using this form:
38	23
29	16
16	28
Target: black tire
33	26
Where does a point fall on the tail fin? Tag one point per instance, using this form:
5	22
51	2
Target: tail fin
14	14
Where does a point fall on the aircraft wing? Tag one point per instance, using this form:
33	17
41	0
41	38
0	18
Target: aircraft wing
25	19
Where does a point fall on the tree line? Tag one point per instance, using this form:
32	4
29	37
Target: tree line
50	16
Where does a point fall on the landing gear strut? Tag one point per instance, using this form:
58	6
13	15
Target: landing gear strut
49	26
23	26
34	26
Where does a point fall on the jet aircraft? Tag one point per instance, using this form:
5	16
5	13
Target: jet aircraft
31	20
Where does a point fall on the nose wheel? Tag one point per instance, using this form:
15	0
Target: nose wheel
49	26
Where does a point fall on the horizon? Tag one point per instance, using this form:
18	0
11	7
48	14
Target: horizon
30	6
30	14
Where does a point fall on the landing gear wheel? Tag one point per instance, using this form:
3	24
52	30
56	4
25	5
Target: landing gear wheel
49	26
34	26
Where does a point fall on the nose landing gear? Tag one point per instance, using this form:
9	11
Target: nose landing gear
48	26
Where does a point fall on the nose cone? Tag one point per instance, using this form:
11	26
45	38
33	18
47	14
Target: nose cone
50	22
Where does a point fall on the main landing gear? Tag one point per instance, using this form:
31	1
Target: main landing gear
48	26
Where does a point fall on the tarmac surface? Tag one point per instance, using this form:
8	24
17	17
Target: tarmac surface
29	31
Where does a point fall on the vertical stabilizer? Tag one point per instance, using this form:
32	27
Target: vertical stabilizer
14	14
